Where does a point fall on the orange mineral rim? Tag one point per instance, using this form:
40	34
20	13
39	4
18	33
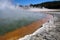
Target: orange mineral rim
28	29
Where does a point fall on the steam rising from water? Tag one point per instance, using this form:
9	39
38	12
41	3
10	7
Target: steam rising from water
8	10
12	17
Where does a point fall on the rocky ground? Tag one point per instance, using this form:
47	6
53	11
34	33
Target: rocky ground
49	31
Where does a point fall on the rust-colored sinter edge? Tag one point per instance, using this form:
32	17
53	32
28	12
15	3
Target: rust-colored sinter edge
25	30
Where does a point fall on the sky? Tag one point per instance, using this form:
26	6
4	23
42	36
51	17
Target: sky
27	2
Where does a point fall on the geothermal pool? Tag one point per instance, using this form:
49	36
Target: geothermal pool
14	19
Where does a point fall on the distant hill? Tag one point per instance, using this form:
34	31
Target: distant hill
49	5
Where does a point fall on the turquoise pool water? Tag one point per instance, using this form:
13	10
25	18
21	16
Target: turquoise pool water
13	19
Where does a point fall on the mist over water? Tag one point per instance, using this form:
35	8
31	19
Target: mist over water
7	10
13	17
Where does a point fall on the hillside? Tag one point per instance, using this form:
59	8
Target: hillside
49	5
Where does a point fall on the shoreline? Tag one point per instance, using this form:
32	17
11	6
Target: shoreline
36	33
49	31
25	30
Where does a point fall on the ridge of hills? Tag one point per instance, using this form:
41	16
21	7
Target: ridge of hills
49	5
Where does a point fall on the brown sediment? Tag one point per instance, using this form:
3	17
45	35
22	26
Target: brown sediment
18	33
